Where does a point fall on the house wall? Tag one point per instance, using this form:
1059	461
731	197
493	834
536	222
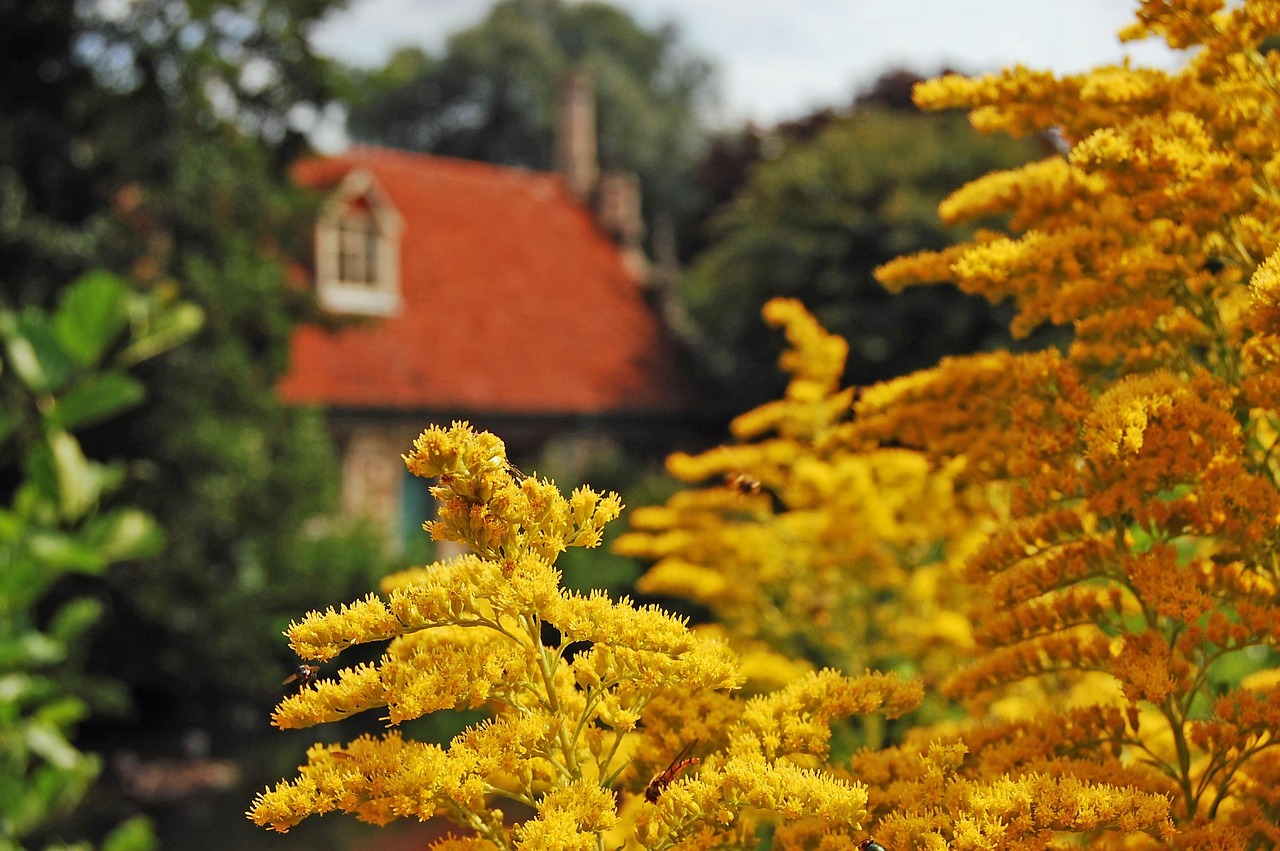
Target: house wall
376	486
373	474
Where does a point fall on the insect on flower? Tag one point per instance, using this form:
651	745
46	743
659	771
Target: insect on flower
680	763
742	483
870	845
304	674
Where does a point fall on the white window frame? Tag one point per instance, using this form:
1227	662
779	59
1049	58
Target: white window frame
376	295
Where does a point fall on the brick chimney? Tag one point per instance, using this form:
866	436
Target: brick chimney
618	211
576	156
615	195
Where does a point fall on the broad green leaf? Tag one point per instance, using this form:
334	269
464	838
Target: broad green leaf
91	316
23	580
96	398
42	478
123	534
62	712
171	327
59	789
59	551
34	650
74	617
133	835
19	687
46	740
31	651
33	351
11	526
79	480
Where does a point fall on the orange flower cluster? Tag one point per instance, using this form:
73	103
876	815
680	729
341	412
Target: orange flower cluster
1138	567
1127	566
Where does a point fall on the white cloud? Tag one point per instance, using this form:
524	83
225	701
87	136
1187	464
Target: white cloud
368	31
780	59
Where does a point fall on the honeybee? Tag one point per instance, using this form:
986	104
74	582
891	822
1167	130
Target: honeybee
680	763
304	675
870	845
742	483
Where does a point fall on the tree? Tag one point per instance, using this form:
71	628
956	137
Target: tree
58	373
492	96
841	195
152	138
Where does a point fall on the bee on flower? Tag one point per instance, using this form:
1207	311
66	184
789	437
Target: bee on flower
304	675
680	763
743	483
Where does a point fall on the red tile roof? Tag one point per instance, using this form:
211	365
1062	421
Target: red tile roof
514	302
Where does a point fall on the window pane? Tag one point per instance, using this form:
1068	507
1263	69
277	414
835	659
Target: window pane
357	250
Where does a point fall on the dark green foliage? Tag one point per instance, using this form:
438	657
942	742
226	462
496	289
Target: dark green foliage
492	96
813	221
57	373
152	138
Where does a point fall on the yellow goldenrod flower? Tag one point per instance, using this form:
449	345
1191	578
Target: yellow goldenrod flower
566	724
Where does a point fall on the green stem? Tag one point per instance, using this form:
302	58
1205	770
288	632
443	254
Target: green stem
545	665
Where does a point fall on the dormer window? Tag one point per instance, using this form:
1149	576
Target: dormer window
358	249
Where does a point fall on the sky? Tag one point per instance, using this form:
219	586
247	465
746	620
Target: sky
779	59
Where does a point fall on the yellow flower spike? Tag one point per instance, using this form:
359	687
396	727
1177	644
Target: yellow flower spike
467	843
471	631
323	635
355	690
1266	281
796	718
353	780
507	745
444	677
458	592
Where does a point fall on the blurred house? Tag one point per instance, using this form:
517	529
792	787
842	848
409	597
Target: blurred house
515	299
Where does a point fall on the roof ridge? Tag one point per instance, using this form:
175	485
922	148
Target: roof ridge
381	153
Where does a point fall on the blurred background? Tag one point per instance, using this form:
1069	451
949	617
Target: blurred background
249	249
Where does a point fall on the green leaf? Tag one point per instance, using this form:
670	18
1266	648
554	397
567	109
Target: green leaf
15	687
78	484
31	650
96	398
56	790
90	316
33	350
58	551
47	741
62	712
163	331
134	835
74	618
123	534
79	480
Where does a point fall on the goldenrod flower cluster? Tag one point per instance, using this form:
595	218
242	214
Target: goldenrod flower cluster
1134	583
841	556
1125	570
582	726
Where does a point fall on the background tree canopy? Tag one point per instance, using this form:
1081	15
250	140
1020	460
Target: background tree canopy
819	204
492	95
152	139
